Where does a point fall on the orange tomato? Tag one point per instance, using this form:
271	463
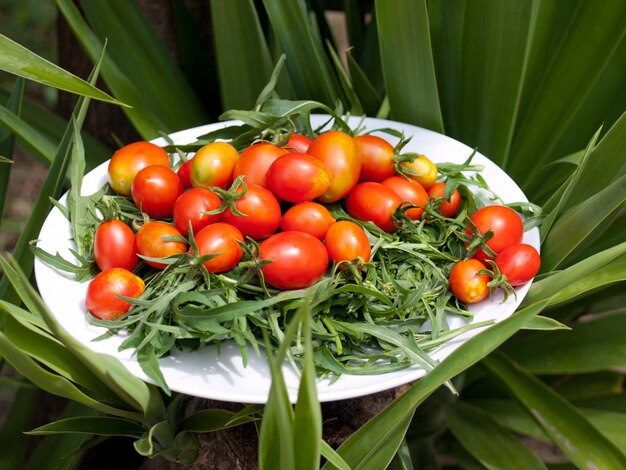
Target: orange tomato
130	160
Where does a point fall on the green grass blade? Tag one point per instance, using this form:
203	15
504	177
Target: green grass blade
577	438
7	139
16	422
407	62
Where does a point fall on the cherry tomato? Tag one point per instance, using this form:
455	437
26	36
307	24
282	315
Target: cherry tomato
114	246
102	293
298	260
184	173
220	239
346	241
155	191
308	217
298	177
213	165
150	242
448	208
255	160
191	207
425	171
298	143
375	202
339	153
129	160
466	284
519	263
262	213
377	158
507	226
411	191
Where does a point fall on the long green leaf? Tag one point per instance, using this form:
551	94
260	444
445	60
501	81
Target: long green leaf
363	87
577	438
18	420
7	139
101	425
213	420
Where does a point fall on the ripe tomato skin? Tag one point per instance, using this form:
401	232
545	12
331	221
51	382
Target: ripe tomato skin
466	284
220	238
377	158
346	241
375	202
298	260
262	211
411	191
129	160
255	160
155	191
426	171
308	217
150	242
339	153
213	165
507	227
298	177
298	143
447	208
190	207
114	246
519	263
102	293
184	173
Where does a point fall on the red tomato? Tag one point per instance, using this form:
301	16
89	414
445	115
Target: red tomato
298	260
213	165
298	177
448	208
425	171
377	158
375	202
466	284
184	173
255	161
155	191
298	143
519	263
150	242
507	226
346	241
411	191
339	153
262	213
308	217
102	293
220	239
191	207
129	160
114	246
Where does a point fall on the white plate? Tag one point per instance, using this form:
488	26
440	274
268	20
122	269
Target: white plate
202	373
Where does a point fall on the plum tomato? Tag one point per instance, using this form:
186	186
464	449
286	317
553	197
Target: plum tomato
184	173
507	226
262	213
213	165
298	177
220	239
307	217
114	246
255	160
298	260
377	158
102	293
150	242
298	143
422	170
346	241
190	207
410	191
519	263
155	191
375	202
448	208
339	153
466	283
129	160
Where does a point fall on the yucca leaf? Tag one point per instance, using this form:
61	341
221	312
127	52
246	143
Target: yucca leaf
7	139
587	387
211	420
16	422
355	25
363	87
101	425
410	80
355	103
